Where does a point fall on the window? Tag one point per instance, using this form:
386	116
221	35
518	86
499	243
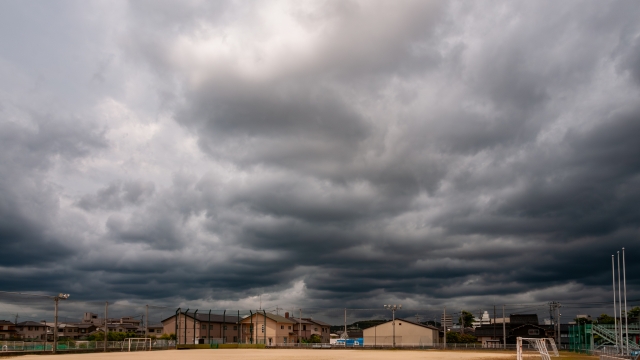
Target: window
235	328
289	327
235	339
210	327
30	328
225	327
282	327
399	323
315	329
534	332
204	327
304	327
263	328
84	330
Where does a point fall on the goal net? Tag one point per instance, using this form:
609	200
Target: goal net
539	344
136	344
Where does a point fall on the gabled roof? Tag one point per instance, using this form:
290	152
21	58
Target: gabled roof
318	322
274	317
5	322
407	321
299	321
530	325
204	317
31	323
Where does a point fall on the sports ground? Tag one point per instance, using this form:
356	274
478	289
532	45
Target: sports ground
291	354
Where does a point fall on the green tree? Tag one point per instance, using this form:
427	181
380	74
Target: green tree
581	321
456	337
635	312
171	336
605	319
467	317
315	338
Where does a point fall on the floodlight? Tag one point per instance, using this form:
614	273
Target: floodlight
63	296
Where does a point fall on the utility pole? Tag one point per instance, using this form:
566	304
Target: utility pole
461	322
346	335
393	309
106	326
504	329
300	327
494	322
146	324
444	323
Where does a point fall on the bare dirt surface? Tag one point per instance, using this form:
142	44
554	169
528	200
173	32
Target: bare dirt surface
286	354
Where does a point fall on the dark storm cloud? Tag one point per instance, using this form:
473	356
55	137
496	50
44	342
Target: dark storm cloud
338	153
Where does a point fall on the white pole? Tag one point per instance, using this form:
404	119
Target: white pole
615	312
620	307
444	323
55	329
624	280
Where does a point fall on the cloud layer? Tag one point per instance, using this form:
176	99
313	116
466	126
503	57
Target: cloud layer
345	152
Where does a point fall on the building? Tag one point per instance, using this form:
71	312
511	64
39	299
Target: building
407	333
446	321
483	320
156	330
8	330
492	336
75	331
306	327
34	331
270	329
208	328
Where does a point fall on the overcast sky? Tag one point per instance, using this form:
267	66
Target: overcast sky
322	153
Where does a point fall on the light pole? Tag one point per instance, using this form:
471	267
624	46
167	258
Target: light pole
55	314
393	309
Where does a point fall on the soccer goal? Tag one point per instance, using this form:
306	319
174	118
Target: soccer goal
135	344
539	344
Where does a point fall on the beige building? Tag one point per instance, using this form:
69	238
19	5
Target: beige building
272	330
407	333
306	327
31	330
208	328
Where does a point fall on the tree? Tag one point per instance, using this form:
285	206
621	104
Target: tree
315	338
605	319
171	336
467	317
456	337
581	321
635	312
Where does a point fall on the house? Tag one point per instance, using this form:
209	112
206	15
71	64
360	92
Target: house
208	328
320	328
8	330
306	327
31	330
270	329
492	336
407	333
156	330
529	331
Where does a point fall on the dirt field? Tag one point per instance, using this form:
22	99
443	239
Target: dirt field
261	354
292	354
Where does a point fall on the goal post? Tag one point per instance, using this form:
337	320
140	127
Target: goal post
135	344
540	344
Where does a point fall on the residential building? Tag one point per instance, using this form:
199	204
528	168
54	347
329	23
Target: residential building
407	333
270	329
156	330
306	327
34	331
208	328
492	336
8	330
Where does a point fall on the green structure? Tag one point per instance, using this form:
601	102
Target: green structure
589	337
